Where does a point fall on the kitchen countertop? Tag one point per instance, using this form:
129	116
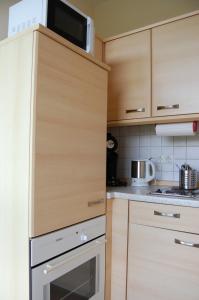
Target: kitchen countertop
142	194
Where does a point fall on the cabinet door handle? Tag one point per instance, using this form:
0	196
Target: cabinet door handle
141	109
169	215
96	202
184	243
174	106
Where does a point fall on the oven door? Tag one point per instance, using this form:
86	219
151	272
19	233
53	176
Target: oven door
76	275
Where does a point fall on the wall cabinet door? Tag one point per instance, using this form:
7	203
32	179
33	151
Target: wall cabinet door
70	138
129	93
175	57
159	267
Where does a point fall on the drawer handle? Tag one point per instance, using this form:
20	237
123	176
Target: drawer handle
96	202
184	243
174	106
163	214
141	109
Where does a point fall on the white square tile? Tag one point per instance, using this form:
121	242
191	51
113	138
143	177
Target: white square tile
167	151
158	175
167	175
176	176
145	130
145	153
178	163
134	130
180	153
135	153
194	163
123	131
124	152
156	153
180	141
133	141
155	141
193	141
167	141
192	153
158	166
167	167
144	141
114	131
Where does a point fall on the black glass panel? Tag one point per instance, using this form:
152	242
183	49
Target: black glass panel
65	21
78	284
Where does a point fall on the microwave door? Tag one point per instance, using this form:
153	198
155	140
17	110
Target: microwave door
67	22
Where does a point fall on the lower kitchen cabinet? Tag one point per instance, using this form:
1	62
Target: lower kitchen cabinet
149	259
159	267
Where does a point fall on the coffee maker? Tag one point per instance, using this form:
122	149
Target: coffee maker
112	157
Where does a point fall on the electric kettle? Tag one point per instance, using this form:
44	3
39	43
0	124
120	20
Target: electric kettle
142	172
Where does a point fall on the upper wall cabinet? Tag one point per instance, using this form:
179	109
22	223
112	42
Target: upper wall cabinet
129	94
175	60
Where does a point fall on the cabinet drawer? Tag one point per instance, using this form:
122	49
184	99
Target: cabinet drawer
165	216
159	267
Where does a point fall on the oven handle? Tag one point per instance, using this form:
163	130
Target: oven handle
50	268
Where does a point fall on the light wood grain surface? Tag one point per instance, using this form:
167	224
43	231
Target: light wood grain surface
156	120
130	76
117	238
15	91
158	268
143	213
70	138
175	60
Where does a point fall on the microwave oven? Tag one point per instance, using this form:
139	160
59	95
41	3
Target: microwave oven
58	15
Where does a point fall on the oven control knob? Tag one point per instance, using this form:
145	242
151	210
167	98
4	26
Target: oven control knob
83	237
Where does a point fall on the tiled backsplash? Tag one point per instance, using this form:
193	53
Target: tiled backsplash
140	142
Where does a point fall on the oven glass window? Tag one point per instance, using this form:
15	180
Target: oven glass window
78	284
65	21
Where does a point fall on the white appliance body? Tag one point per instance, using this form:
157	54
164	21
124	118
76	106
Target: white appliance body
58	15
142	172
78	272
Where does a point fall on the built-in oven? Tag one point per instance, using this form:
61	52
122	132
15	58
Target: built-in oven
70	264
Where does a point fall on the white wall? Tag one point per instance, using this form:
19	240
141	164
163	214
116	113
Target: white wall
117	16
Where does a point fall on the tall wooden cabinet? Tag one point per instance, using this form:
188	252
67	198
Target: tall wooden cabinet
175	67
53	152
70	133
129	93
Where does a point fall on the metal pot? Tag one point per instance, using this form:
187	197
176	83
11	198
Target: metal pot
188	178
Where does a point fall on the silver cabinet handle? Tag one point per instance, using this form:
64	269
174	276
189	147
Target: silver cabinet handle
169	215
96	202
141	109
184	243
174	106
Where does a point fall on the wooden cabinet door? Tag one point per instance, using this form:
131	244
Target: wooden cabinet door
159	267
129	93
175	57
70	138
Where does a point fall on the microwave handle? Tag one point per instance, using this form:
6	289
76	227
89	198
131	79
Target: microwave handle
90	36
52	267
